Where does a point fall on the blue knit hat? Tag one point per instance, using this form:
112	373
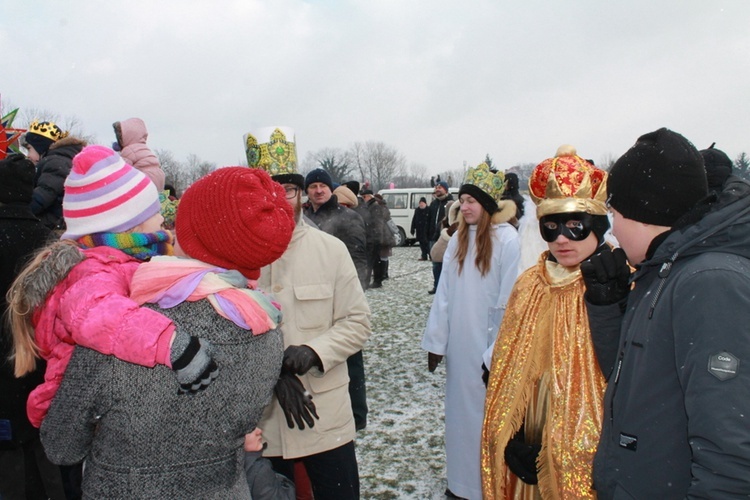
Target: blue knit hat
443	184
319	175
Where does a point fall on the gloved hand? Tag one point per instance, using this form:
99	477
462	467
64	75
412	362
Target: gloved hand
485	375
606	276
433	360
521	459
295	401
300	358
192	363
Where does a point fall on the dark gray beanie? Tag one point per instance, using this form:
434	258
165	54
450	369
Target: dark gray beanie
319	175
658	180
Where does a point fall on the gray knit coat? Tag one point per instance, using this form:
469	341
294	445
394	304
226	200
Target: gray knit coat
140	439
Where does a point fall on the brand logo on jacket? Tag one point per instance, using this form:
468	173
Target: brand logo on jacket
723	365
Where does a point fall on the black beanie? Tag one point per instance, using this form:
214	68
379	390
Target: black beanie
657	180
718	167
353	186
16	179
40	143
487	202
319	175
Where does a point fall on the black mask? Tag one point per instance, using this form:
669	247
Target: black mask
574	226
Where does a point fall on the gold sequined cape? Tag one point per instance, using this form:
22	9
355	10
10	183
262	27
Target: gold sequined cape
544	371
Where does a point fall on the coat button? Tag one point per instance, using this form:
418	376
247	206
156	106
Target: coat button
277	288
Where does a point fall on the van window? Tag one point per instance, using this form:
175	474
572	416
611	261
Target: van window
396	200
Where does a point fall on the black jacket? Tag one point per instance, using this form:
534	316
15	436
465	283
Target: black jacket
678	358
21	234
346	225
51	172
437	212
419	223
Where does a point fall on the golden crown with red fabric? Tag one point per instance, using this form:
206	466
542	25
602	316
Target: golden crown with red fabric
568	183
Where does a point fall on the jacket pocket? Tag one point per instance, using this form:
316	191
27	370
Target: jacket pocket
314	307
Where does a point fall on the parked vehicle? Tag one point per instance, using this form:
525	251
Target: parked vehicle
402	202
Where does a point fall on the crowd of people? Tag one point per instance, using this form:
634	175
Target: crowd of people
212	346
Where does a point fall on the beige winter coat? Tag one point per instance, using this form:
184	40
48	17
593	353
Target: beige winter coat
324	308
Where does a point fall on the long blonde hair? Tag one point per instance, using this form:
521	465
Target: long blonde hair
483	260
29	291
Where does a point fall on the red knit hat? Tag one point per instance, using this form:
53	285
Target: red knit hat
237	218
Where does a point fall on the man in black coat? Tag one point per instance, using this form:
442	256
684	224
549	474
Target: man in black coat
25	471
419	223
437	210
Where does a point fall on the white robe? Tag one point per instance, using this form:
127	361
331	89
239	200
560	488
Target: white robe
463	323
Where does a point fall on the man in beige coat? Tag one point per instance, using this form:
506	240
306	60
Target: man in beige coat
326	320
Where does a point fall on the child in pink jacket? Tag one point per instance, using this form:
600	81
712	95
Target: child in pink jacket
76	291
131	137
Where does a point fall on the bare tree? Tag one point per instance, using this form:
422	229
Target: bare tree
416	176
606	162
70	123
333	160
173	170
488	160
378	163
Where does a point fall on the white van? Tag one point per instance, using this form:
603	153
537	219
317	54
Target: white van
402	202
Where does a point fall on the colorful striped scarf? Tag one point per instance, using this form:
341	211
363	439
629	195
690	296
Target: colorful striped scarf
170	281
138	245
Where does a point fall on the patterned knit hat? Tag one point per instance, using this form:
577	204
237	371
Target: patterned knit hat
105	194
236	218
568	184
484	185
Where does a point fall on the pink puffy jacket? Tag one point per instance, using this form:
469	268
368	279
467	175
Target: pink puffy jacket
90	307
132	137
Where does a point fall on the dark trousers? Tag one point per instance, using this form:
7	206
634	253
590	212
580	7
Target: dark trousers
424	246
437	267
374	265
333	473
357	389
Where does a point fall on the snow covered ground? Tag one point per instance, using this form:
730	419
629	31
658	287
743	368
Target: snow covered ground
401	453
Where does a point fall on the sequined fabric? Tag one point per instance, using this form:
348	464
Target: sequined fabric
544	365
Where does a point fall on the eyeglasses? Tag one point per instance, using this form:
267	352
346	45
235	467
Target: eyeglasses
291	192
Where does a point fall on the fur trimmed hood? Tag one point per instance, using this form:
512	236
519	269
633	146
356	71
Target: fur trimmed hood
59	258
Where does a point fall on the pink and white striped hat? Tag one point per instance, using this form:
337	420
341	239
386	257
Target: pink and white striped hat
105	194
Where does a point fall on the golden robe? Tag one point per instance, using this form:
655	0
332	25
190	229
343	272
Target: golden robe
545	374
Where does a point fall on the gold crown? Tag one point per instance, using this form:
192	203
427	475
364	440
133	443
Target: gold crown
490	182
48	130
277	156
567	183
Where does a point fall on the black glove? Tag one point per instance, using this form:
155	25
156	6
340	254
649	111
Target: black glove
607	277
433	360
521	459
300	358
485	375
295	401
192	363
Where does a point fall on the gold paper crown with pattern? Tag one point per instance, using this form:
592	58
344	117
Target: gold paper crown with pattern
272	149
48	130
492	183
567	183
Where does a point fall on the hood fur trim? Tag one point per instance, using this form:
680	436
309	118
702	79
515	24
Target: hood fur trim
60	258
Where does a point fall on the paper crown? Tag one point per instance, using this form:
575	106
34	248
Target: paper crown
272	149
490	182
48	130
568	183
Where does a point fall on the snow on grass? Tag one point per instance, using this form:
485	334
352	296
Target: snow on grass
401	453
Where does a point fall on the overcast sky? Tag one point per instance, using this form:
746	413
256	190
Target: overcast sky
444	82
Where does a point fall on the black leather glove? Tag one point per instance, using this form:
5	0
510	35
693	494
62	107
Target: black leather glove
433	360
192	363
300	358
485	375
295	401
521	459
607	277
